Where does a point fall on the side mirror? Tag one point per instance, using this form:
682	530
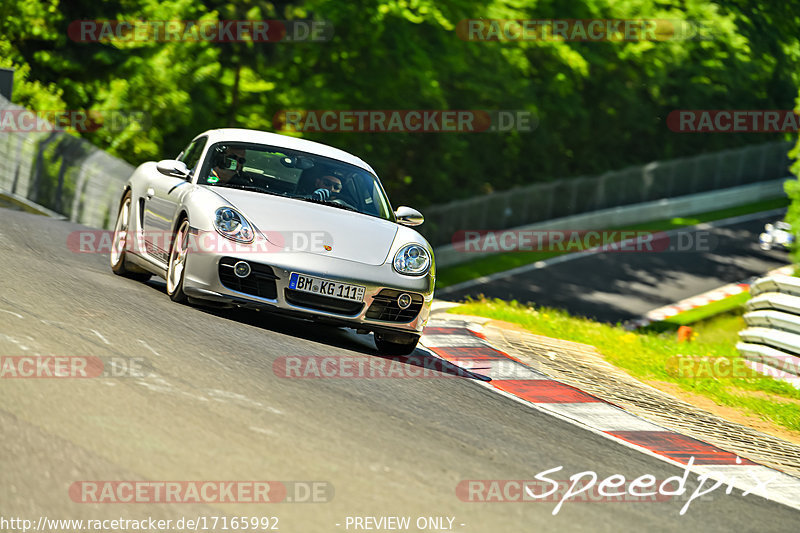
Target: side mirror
408	216
173	168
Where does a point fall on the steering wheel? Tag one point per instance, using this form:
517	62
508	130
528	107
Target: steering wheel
344	203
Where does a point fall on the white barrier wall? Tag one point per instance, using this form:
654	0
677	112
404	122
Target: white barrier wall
771	340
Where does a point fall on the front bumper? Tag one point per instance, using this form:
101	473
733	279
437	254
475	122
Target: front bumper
202	281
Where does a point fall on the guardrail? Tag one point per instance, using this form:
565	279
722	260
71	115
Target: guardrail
634	185
630	215
771	341
62	173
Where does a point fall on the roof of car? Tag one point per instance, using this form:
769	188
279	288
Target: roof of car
283	141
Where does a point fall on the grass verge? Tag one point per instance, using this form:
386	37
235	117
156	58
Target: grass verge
485	266
652	356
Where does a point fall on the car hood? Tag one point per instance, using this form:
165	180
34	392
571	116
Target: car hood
309	227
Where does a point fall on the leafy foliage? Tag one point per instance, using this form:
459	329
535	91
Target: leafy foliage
600	105
793	191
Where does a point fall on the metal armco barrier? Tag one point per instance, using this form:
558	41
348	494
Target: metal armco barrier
63	173
772	338
538	202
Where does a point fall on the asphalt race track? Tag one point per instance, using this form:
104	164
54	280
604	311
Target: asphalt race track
214	409
619	286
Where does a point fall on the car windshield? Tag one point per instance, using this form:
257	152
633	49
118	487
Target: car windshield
301	175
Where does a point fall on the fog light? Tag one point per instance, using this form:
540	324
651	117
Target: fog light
403	301
242	269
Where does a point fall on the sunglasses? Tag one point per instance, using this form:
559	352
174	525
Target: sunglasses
335	186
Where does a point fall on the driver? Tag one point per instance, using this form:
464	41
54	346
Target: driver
227	166
327	187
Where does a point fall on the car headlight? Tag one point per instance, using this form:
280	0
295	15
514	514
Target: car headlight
412	260
229	223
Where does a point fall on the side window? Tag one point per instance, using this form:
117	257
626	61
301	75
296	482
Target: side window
191	155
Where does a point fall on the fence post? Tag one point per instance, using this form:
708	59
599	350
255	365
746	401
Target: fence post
647	180
550	201
740	169
600	192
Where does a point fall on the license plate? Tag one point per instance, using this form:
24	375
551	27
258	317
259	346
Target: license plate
326	287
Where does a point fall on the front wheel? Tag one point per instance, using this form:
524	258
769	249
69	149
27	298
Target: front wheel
176	270
399	344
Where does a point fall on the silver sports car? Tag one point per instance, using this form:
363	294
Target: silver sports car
255	219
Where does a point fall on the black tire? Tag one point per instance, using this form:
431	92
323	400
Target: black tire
399	344
177	258
119	264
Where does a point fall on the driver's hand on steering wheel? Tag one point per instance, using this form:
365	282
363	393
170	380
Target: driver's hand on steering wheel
321	194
